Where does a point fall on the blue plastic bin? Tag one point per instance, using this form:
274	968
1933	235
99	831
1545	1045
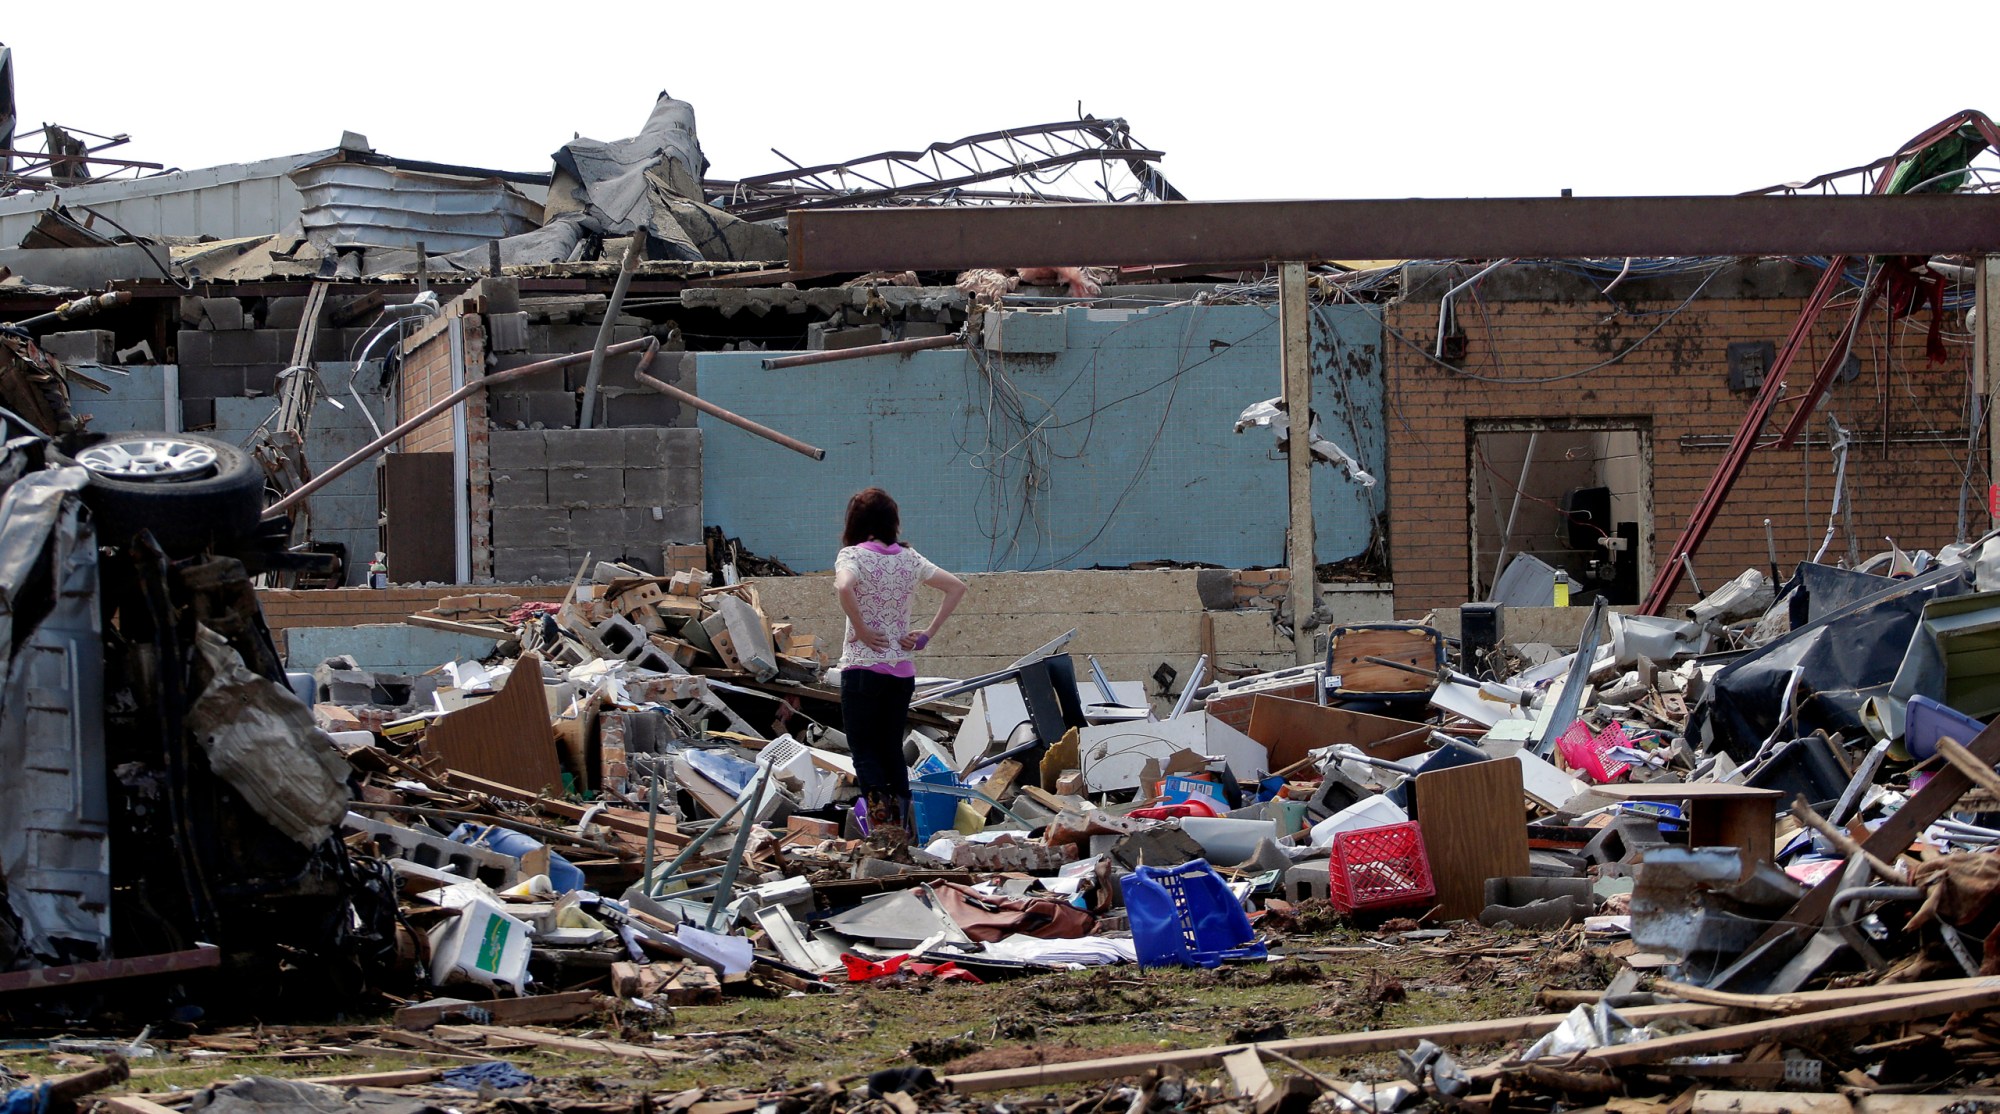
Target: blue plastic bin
1927	721
1185	916
932	812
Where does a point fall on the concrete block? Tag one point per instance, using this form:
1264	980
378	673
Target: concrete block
533	528
222	314
501	296
644	446
520	487
507	332
520	566
681	525
84	346
563	339
211	382
586	448
646	487
642	407
508	449
247	347
551	380
261	380
681	450
537	409
197	413
282	313
619	371
594	526
586	487
1216	587
193	348
821	338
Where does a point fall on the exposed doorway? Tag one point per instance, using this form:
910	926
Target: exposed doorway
1574	495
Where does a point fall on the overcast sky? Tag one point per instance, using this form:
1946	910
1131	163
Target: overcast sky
1392	99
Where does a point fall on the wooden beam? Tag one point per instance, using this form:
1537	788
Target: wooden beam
540	1039
1494	1031
1985	994
1295	325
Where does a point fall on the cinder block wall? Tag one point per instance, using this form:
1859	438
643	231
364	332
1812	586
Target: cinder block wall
616	494
1675	384
1131	621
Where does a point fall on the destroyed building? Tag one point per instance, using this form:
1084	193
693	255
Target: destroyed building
577	752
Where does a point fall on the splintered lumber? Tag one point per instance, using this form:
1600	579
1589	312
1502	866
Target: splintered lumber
623	821
1337	1044
1985	994
405	1078
619	1049
568	1005
1925	807
1813	999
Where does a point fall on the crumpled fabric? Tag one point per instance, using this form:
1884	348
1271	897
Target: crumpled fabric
262	739
1965	893
868	970
986	919
24	1100
501	1075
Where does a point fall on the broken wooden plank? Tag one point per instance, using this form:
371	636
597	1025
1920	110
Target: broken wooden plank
539	1039
618	820
1247	1076
131	1104
474	630
1925	807
1795	1102
1984	995
1493	1031
568	1005
1806	1000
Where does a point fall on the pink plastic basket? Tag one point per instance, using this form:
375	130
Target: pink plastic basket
1585	751
1379	868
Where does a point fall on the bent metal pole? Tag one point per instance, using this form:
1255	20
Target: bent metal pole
368	451
737	420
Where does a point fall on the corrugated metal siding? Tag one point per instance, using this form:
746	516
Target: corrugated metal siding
356	203
240	199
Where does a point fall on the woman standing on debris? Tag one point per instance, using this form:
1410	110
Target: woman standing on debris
876	576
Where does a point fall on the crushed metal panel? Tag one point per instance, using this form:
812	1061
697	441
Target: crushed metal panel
346	202
55	852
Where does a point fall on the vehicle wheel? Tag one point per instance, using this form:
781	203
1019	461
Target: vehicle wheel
193	492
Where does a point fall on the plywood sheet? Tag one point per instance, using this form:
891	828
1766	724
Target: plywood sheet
506	738
1475	827
1289	728
1413	646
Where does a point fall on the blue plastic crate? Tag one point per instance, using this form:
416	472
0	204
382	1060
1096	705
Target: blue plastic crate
1185	916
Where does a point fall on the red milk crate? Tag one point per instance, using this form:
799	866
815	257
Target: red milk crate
1379	868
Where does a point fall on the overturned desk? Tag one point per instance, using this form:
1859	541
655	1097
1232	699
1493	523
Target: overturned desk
1718	815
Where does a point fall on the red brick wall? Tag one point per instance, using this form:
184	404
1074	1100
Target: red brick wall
426	378
1676	383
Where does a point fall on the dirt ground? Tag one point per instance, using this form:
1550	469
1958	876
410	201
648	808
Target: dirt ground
1338	981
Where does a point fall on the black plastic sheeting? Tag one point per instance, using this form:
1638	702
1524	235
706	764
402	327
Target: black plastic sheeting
1846	654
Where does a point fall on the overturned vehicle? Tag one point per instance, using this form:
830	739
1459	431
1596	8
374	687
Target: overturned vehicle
170	805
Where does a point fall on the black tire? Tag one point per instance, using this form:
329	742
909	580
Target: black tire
212	510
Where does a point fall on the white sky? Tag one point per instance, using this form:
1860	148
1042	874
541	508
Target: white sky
1389	99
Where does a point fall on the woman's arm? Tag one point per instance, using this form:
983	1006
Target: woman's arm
843	586
954	590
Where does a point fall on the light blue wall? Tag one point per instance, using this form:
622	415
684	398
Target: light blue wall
344	511
1131	457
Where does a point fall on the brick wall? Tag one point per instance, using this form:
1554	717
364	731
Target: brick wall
1905	486
426	378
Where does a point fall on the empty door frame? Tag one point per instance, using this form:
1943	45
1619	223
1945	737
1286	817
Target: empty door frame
1640	427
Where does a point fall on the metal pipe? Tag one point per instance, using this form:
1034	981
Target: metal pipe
1195	675
737	420
1507	538
77	308
888	348
440	406
1445	302
634	248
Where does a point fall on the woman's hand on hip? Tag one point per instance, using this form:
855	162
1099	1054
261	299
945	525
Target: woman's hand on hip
871	638
916	640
